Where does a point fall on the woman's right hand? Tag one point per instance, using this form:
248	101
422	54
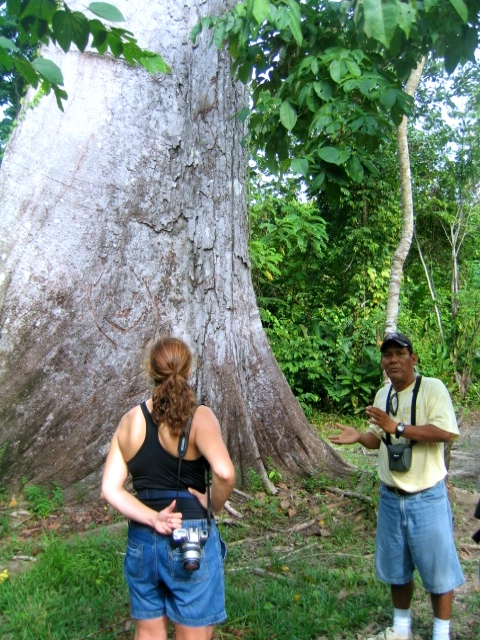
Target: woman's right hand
167	520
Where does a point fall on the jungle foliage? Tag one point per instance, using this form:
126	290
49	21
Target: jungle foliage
323	303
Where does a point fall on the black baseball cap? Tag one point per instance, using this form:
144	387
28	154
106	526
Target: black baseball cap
397	338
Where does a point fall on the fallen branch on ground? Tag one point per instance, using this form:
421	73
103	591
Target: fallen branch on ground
228	507
350	494
301	526
270	574
242	495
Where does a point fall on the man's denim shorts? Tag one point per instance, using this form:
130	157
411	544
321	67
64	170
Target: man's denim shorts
159	585
416	531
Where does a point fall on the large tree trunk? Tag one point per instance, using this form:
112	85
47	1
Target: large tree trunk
123	219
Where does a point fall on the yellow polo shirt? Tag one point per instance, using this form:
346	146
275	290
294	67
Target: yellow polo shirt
434	406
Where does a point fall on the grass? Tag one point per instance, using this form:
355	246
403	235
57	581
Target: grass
43	500
285	580
75	588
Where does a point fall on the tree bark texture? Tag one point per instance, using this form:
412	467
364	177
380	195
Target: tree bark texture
405	243
124	219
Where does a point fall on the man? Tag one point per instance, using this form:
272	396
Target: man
414	525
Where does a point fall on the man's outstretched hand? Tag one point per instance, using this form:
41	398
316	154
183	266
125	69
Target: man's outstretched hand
349	435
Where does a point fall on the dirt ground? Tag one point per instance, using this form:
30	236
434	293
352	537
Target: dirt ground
464	494
464	473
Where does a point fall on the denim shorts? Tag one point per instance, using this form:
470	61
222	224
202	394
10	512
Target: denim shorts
415	531
159	585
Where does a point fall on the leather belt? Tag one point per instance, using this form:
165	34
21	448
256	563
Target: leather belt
401	492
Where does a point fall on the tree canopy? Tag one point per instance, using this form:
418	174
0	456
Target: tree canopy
327	77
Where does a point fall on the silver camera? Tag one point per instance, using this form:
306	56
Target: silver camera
191	541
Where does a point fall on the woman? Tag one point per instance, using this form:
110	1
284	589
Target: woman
145	444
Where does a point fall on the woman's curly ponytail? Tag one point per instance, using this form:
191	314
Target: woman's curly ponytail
173	400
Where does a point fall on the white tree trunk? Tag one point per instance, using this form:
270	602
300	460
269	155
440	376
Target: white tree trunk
405	243
123	219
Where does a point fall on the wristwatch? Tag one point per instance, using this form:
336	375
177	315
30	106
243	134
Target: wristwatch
399	429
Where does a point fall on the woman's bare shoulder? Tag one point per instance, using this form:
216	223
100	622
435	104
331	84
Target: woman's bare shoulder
131	419
204	412
204	417
131	431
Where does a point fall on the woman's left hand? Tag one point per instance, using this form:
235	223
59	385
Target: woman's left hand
201	497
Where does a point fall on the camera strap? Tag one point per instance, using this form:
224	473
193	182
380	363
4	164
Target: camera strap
182	450
413	410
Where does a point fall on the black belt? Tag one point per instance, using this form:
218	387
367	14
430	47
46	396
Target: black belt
163	494
187	503
401	492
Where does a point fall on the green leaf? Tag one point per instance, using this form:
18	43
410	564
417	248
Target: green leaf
353	68
195	31
343	156
244	72
154	64
407	16
295	22
5	60
357	123
365	85
106	11
5	43
27	71
219	35
243	114
329	154
461	8
115	44
381	19
452	59
132	52
261	10
300	165
14	7
99	33
60	95
388	97
318	181
320	121
355	169
470	43
280	17
41	9
396	114
70	26
288	115
371	167
48	70
323	90
337	69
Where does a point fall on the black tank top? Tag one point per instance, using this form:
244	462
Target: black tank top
155	474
